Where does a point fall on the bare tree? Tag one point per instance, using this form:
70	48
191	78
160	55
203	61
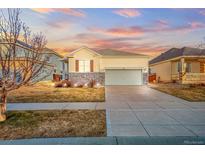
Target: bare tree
201	45
22	58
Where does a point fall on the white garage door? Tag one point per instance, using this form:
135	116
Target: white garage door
123	77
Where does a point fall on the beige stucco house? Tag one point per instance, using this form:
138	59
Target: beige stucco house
110	67
185	65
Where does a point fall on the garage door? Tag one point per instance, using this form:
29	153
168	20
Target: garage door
123	77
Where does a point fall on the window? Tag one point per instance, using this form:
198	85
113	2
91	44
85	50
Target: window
63	66
84	66
188	67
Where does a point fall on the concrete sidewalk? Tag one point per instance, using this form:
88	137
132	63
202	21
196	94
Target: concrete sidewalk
108	141
56	106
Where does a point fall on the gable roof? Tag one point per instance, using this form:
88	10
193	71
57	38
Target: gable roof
113	52
83	47
28	47
50	51
106	52
176	52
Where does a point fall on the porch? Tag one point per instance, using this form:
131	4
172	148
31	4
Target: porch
189	70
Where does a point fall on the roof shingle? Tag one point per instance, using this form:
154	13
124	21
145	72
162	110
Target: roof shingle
112	52
176	52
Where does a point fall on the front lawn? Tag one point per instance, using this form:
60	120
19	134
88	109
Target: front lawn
193	93
45	92
65	123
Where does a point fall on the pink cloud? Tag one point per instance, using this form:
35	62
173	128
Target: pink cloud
195	25
128	13
122	43
186	28
119	31
146	48
159	26
59	24
135	30
68	11
151	50
98	42
163	26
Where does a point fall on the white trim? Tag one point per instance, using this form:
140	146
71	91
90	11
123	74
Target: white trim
84	47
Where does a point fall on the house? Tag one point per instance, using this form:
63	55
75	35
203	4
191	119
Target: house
59	65
185	66
55	62
107	66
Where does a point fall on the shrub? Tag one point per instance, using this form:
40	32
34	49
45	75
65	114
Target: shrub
63	83
92	83
66	83
77	84
58	85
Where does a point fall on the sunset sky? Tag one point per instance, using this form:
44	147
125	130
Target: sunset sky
146	31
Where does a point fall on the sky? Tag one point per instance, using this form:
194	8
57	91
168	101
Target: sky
145	31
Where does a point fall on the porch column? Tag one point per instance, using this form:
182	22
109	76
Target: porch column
183	70
202	66
68	68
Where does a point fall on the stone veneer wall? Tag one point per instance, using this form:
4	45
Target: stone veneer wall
99	77
86	77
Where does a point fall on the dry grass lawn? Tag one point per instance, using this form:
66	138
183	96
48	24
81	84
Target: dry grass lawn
45	92
194	93
35	124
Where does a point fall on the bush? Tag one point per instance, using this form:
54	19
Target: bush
68	83
63	83
87	85
77	85
92	83
58	85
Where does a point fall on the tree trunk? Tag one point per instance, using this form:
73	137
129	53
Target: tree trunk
3	107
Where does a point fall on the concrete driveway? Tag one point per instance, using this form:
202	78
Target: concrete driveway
142	111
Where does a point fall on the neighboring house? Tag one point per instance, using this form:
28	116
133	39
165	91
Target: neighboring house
108	66
56	65
60	70
185	66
